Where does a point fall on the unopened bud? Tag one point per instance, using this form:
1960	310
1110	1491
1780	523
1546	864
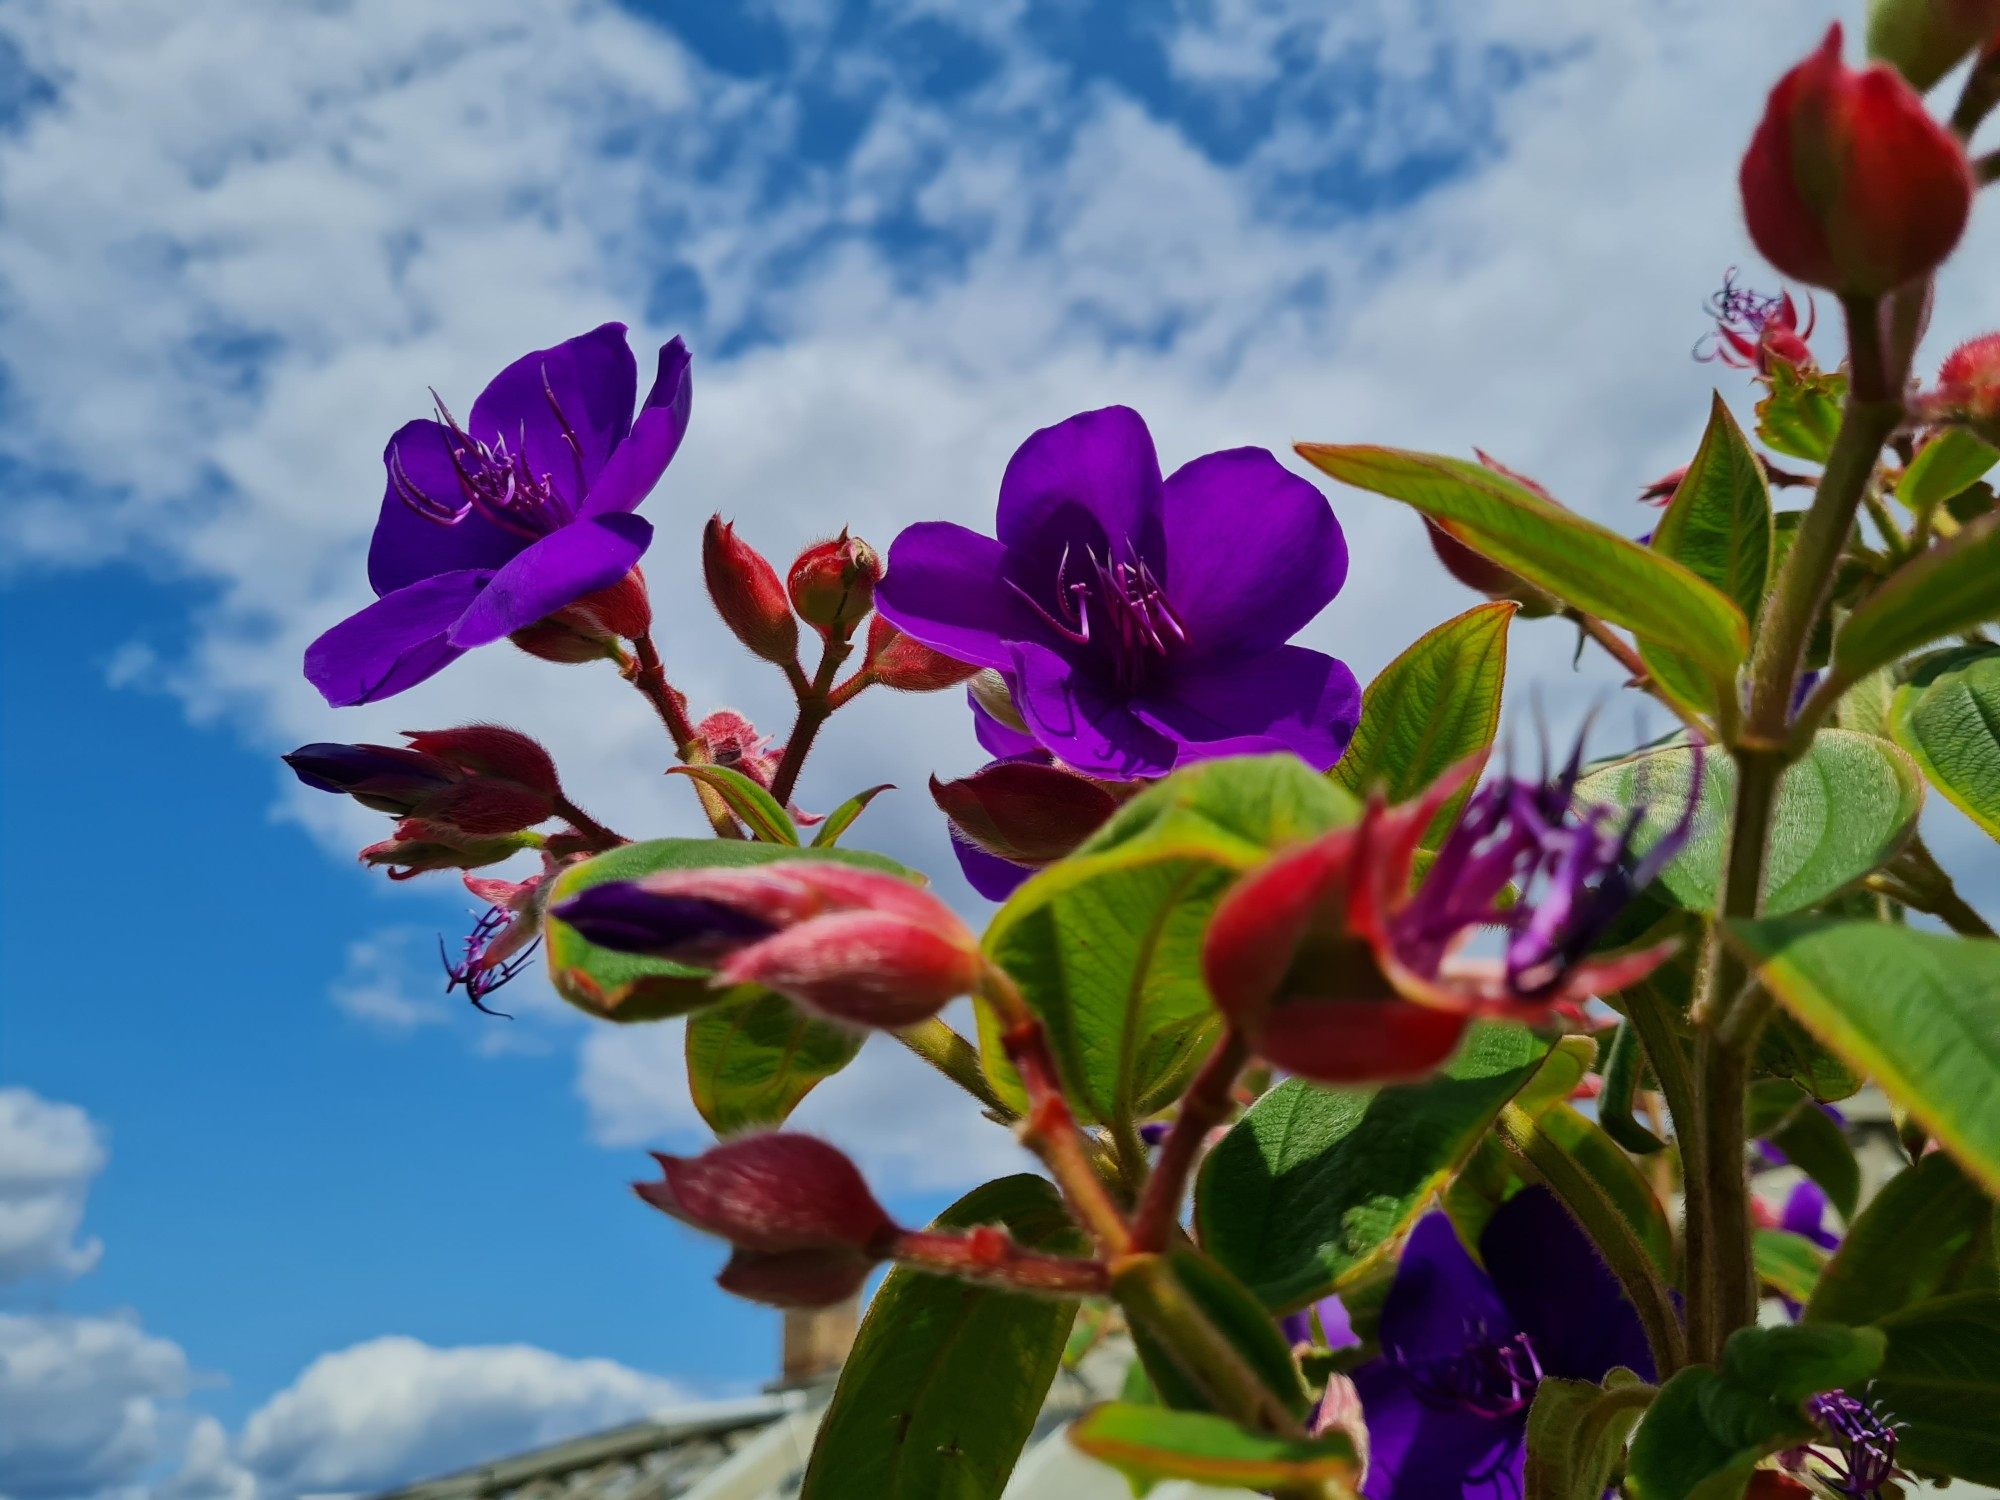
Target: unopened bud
1968	389
832	584
795	1278
1024	812
990	694
1925	39
747	593
906	664
1849	183
490	750
418	846
1480	573
479	779
383	777
591	628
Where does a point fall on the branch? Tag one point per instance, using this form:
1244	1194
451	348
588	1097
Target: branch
649	676
1642	678
992	1255
586	825
1205	1104
815	705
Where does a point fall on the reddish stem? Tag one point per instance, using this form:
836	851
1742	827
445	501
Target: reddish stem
991	1255
1205	1105
649	676
586	825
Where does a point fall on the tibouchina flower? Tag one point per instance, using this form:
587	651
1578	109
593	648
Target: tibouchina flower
490	527
1140	624
1464	1348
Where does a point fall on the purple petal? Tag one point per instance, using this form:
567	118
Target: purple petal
993	877
1082	724
395	643
1253	552
1558	1289
1417	1452
1287	699
655	438
407	546
998	740
943	587
1805	1213
1091	483
594	380
1440	1298
1333	1322
560	569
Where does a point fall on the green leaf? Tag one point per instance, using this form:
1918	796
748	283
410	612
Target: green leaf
1787	1050
1582	563
1905	1246
1151	1443
1843	811
1239	1317
947	1378
1562	1069
1431	707
626	987
1947	465
1781	1113
1789	1264
1952	588
1577	1432
842	817
1314	1187
1708	1427
1918	1012
1941	1377
1801	415
767	821
1106	945
1947	716
752	1059
1623	1183
1718	527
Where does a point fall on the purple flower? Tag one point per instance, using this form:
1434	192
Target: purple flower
489	527
1859	1456
1334	1330
1804	1214
1463	1349
1140	624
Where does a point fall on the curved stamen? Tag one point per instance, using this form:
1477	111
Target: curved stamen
1487	1377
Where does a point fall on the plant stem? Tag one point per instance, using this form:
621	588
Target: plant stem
956	1058
648	674
1205	1104
1153	1297
1607	1228
991	1255
815	704
1622	652
586	825
1049	1130
1652	1018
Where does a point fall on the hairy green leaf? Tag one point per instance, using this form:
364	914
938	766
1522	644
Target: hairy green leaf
1941	1379
1947	716
1952	588
1949	464
1577	1432
1151	1443
752	1059
1905	1246
842	817
767	821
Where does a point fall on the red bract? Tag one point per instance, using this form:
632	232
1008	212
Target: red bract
901	662
747	593
1968	387
1849	183
1024	811
490	750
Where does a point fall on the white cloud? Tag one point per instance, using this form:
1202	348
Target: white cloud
83	1397
379	985
392	1410
49	1152
208	1468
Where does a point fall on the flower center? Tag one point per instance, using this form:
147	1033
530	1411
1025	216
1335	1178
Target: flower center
1864	1438
495	480
1488	1377
473	972
1119	607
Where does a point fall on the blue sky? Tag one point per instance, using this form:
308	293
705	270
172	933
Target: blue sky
237	243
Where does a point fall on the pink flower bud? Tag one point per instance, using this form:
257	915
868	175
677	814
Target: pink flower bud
747	593
1968	387
832	584
419	845
490	750
866	968
1021	811
1849	183
898	661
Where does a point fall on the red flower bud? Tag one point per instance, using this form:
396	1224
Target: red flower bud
490	750
795	1278
591	628
1925	39
1481	574
1028	813
1849	183
832	584
908	665
419	845
1969	387
747	594
771	1193
866	968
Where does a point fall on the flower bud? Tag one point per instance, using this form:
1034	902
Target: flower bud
383	777
832	584
989	693
901	662
478	779
490	750
1028	813
1849	183
856	945
795	1278
1481	574
419	845
1925	39
592	627
1968	388
747	593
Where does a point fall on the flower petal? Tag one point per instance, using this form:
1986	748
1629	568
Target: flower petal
560	569
1001	741
1439	1293
1081	723
1253	552
394	643
408	546
1091	483
593	378
655	438
1416	1452
1287	699
1560	1291
993	877
943	587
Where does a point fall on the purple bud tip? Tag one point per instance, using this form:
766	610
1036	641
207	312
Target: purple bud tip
627	918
